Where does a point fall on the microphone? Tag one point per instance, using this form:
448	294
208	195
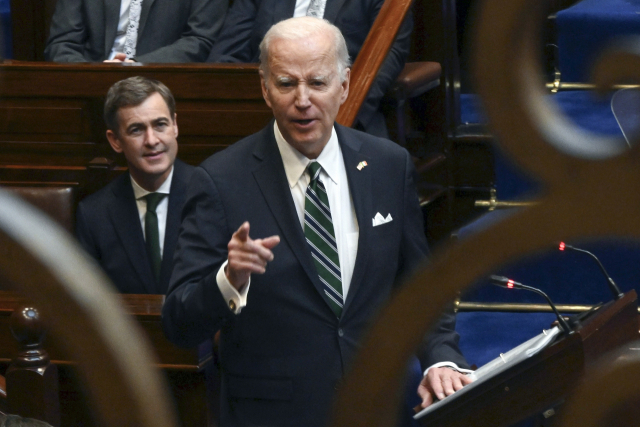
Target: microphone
505	282
612	285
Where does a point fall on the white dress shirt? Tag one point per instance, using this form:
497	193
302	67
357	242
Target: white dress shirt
121	32
161	210
334	177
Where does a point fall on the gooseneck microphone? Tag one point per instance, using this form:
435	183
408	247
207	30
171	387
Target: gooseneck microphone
505	282
612	285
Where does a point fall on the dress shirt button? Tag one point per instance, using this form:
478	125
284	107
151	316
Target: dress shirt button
340	332
232	305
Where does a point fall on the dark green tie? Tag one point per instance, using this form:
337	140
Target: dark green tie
318	230
152	235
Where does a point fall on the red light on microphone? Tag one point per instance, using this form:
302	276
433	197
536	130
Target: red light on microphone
510	284
562	246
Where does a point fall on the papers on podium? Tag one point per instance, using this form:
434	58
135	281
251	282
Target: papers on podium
499	364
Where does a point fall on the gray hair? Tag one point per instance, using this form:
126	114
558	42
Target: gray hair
301	28
132	92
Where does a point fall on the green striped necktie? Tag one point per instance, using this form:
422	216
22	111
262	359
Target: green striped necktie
318	230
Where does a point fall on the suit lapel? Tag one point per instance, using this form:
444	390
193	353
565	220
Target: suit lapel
176	198
272	181
331	10
124	216
361	194
111	19
144	14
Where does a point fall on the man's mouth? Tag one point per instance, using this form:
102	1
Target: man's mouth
154	154
303	122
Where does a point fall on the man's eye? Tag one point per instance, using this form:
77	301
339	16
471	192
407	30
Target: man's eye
317	83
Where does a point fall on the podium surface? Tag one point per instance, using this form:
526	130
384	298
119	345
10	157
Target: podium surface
544	379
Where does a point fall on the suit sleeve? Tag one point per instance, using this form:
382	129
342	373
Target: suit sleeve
389	71
199	35
441	343
194	308
68	33
234	43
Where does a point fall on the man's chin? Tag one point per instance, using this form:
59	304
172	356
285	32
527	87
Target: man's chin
157	168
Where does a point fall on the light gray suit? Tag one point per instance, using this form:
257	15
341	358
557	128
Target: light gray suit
169	30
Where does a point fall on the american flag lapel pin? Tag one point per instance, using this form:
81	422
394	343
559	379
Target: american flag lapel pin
362	165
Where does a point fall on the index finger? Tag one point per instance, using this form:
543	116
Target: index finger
242	233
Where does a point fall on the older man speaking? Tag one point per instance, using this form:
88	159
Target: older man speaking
293	238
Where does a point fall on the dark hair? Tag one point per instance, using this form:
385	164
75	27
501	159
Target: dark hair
130	93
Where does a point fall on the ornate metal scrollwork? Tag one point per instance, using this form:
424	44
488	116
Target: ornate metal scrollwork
591	190
81	309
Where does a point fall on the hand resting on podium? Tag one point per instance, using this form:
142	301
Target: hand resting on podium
440	383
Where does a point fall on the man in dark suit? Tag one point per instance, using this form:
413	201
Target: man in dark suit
339	227
248	21
114	225
162	30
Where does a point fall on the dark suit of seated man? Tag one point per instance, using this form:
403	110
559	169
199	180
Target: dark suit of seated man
248	21
293	238
148	31
116	225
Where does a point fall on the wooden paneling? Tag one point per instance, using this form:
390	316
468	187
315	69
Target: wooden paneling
145	308
51	124
182	368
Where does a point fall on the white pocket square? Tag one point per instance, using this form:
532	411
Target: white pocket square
379	219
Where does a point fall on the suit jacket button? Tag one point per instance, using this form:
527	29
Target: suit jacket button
232	305
340	332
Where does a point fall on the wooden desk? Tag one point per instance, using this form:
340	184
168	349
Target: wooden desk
182	368
51	125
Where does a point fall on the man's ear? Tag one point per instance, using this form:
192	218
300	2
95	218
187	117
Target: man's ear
265	91
175	123
114	141
345	86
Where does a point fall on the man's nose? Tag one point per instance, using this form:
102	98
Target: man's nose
152	136
302	96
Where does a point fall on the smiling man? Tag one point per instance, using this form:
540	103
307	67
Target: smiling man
131	226
292	240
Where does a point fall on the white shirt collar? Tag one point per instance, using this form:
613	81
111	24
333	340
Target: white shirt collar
140	192
295	163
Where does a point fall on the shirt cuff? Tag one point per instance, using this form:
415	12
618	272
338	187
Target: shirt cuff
450	365
236	301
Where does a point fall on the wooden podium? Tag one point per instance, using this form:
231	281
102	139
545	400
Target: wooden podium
544	379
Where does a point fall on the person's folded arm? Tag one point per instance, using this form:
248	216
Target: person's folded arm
68	33
234	42
388	72
200	34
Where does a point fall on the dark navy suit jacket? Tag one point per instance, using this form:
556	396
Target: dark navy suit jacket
108	228
248	21
283	356
169	30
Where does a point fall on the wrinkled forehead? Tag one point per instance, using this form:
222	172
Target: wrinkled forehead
302	57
